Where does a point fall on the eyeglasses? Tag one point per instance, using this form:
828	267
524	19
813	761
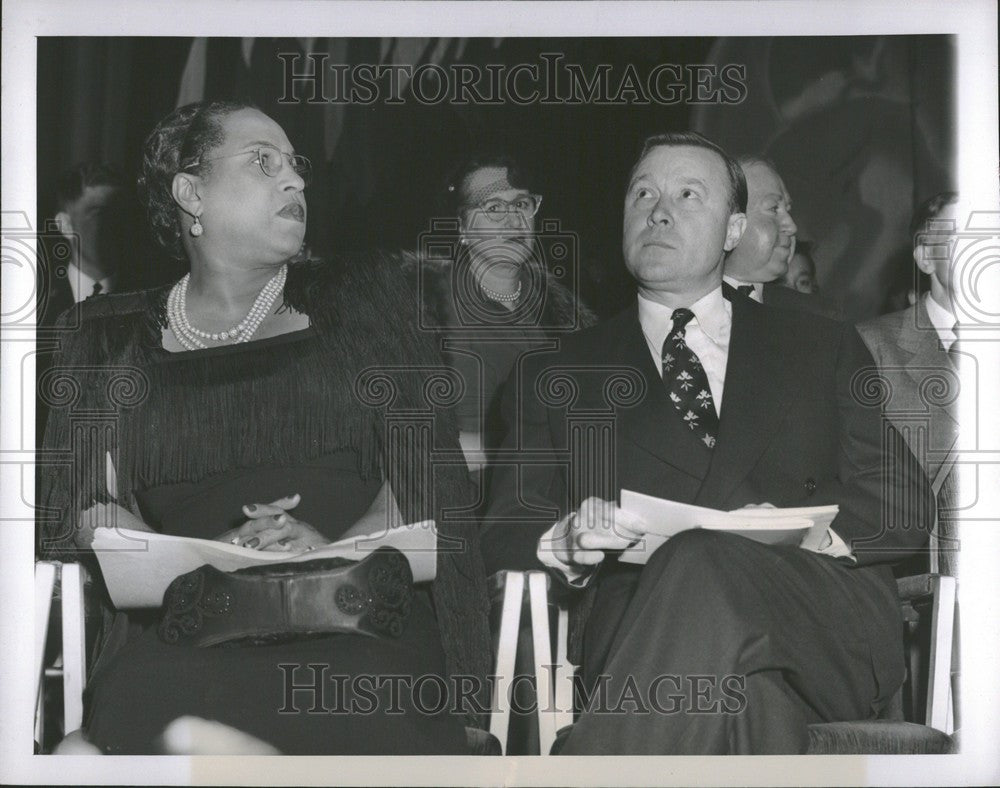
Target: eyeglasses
270	159
496	210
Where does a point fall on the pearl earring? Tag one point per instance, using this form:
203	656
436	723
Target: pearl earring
196	228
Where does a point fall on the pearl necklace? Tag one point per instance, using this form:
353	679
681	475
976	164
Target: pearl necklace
191	338
502	298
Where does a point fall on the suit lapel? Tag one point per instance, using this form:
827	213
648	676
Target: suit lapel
758	370
918	337
653	424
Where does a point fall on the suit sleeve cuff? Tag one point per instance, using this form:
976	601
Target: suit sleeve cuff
837	548
576	578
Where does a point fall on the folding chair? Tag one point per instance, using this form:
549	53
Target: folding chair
927	601
60	584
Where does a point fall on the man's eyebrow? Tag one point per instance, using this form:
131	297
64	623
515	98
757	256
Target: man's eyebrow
265	143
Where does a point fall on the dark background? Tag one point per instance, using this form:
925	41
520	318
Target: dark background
861	129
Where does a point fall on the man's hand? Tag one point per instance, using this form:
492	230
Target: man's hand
581	539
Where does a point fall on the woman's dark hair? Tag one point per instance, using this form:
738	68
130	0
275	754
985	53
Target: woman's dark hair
186	134
519	176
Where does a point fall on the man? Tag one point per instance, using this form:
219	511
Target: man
801	274
91	222
91	216
762	256
916	350
805	637
919	343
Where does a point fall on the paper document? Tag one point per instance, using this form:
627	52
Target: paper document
804	526
139	565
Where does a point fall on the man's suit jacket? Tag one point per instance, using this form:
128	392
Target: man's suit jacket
55	296
921	382
774	294
794	430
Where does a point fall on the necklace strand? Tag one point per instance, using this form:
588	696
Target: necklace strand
493	295
191	338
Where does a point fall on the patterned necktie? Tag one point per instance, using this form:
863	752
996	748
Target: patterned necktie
687	383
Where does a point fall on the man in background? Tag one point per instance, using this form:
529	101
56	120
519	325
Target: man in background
760	260
91	215
912	345
916	351
801	274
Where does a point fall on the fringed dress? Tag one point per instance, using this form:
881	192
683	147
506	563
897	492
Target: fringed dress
195	435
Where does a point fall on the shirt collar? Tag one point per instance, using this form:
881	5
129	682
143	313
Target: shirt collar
942	320
758	287
712	311
83	285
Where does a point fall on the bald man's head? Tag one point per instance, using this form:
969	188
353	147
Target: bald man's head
767	245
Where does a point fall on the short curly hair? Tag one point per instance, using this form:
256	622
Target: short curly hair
187	133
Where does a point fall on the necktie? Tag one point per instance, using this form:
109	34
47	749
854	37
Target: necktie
746	290
955	351
687	383
98	288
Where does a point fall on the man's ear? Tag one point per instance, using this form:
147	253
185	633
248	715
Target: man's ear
64	224
923	260
186	193
734	230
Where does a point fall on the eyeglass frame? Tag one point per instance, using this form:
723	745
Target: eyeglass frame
292	157
508	206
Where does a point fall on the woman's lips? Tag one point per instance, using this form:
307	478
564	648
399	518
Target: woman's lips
293	211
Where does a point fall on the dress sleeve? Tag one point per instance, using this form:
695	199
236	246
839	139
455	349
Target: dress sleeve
79	436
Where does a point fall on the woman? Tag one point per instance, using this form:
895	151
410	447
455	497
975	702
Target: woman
243	417
495	298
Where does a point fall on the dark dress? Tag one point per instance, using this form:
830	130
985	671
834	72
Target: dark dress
199	435
484	341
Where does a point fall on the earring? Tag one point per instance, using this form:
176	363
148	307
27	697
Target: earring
196	228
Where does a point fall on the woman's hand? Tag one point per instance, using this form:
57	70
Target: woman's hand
272	528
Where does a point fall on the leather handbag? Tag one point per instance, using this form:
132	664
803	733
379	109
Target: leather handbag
276	603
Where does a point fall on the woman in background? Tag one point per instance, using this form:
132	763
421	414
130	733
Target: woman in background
495	297
242	418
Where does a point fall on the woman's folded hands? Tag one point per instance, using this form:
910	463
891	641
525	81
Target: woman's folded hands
271	527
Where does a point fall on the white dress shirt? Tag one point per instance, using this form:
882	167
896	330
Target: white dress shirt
942	320
707	334
83	285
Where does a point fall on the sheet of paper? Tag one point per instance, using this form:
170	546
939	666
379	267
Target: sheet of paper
138	566
805	526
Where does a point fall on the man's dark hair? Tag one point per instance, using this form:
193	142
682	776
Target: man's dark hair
737	180
929	209
73	182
